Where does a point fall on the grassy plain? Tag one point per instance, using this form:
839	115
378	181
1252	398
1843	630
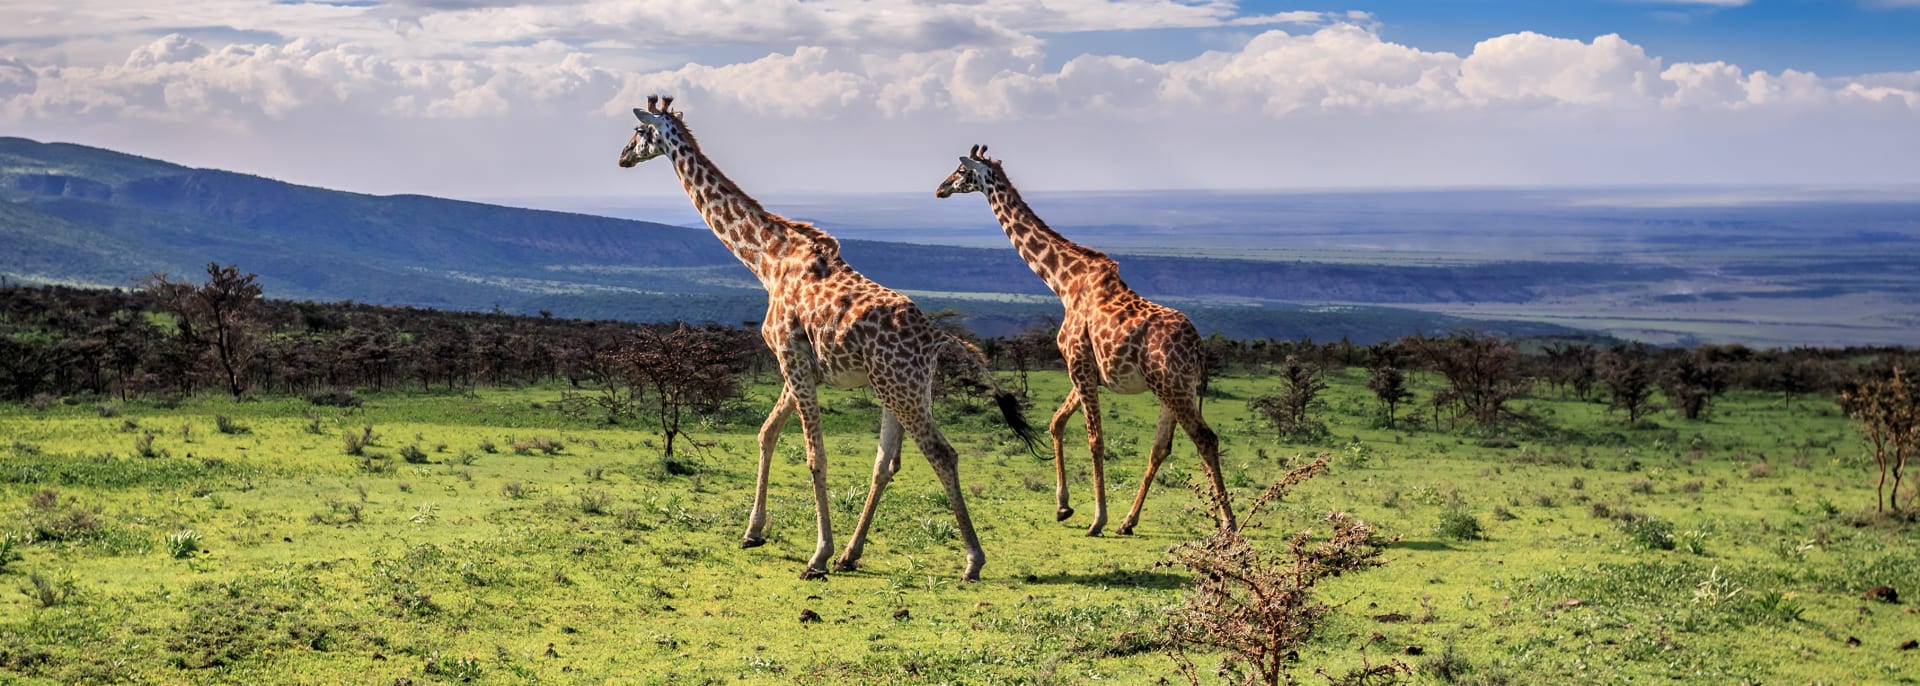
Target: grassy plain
492	560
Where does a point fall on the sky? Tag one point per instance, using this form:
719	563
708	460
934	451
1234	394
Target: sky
488	99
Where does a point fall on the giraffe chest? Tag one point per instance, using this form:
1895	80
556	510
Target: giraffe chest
1114	348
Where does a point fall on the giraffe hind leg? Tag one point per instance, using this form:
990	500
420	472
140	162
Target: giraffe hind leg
1162	445
886	463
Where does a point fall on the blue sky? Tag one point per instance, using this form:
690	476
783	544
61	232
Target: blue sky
492	98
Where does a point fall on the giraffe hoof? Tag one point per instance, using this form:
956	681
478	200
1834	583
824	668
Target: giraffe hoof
845	565
1124	530
1063	514
752	542
811	574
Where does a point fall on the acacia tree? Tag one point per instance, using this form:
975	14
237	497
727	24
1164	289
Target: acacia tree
1886	411
1482	373
216	315
1627	372
1028	349
686	370
1692	382
1389	386
1290	410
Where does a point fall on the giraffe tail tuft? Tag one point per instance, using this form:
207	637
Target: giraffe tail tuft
1008	403
1010	410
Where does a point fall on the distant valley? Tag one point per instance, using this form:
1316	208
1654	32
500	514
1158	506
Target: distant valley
1362	266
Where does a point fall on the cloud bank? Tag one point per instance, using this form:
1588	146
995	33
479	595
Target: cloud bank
532	101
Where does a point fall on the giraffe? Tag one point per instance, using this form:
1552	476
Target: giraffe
1110	337
826	324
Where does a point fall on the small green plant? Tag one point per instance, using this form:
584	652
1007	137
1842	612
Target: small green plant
7	554
107	410
514	490
1460	525
462	668
487	446
594	502
48	592
183	544
1775	607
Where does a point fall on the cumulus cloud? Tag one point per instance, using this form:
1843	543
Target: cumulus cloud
1295	104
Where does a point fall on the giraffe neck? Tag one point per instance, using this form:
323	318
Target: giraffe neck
1059	262
757	237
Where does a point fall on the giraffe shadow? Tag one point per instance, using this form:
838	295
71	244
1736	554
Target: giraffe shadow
1114	578
1432	546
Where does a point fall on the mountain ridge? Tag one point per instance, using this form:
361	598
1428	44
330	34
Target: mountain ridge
85	214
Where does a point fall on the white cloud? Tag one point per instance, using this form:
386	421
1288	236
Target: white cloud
1332	104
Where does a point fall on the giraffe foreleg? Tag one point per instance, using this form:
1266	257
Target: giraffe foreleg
1096	447
807	403
769	438
886	463
1058	430
1162	445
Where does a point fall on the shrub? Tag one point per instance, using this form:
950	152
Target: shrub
336	397
1647	531
227	426
594	502
1259	607
413	455
1459	525
107	410
1642	486
356	443
143	445
513	489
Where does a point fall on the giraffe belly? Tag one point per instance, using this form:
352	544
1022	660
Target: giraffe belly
1125	381
843	373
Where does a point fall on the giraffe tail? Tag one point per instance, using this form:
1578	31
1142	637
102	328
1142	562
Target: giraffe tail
1008	403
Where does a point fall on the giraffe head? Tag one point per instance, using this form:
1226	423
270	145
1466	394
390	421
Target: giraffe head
976	172
659	129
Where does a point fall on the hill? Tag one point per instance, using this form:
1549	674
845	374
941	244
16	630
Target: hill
76	214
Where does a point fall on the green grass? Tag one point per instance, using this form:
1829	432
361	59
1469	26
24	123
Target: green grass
444	553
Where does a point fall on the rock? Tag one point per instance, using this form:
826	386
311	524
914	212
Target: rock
809	616
1412	650
1910	644
902	614
1853	641
1390	618
1884	594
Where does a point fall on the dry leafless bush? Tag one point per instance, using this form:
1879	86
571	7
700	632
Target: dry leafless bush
1259	606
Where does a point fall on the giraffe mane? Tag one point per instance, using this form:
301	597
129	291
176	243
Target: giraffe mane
1084	252
805	230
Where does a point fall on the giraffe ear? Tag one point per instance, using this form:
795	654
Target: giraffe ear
639	114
